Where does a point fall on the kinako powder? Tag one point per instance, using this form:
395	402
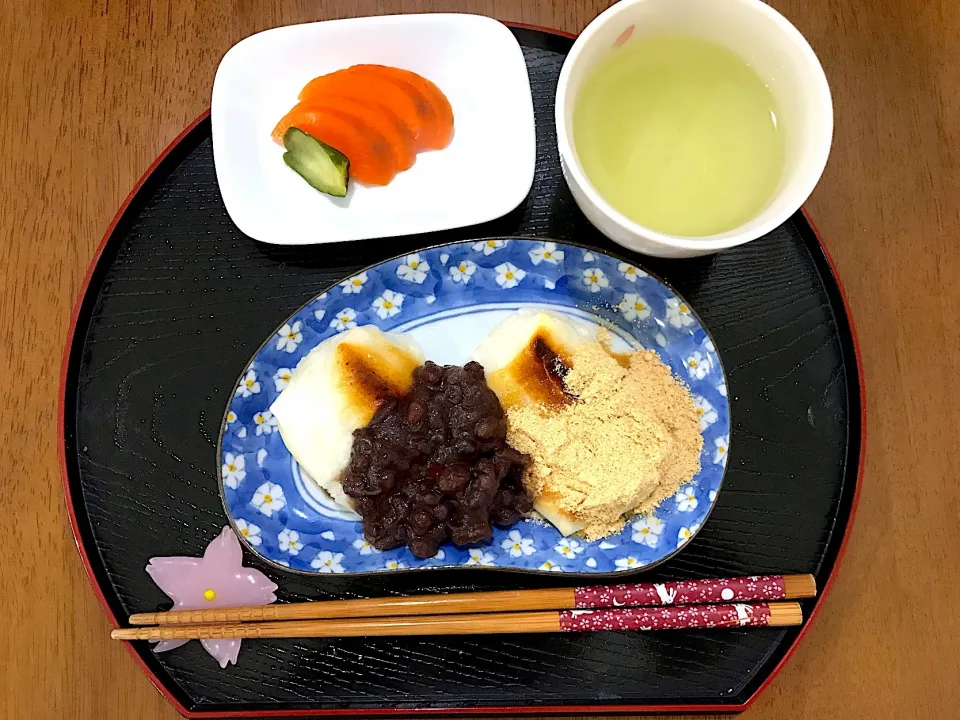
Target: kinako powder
628	439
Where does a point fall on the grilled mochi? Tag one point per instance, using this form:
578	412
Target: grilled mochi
335	390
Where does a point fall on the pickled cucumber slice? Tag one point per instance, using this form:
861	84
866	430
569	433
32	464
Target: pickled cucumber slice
323	167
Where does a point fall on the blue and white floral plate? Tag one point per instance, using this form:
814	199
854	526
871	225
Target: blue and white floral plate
449	298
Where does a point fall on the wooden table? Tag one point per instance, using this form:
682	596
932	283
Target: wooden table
93	90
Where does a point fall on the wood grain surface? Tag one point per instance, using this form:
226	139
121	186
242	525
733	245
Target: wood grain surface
93	90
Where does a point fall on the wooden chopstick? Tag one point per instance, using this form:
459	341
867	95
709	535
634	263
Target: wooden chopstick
681	592
641	618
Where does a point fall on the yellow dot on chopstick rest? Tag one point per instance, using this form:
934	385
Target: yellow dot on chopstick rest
209	595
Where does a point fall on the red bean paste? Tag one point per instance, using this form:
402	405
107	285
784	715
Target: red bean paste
434	465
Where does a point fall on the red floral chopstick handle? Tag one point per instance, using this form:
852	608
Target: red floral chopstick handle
666	618
682	592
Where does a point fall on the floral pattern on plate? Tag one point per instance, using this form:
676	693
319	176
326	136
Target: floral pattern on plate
449	298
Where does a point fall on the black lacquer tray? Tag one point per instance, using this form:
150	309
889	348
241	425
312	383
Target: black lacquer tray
152	361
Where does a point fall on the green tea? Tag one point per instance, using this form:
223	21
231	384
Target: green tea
680	135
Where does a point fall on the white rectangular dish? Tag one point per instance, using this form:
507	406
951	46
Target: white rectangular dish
485	172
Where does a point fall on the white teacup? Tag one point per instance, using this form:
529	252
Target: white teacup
773	47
